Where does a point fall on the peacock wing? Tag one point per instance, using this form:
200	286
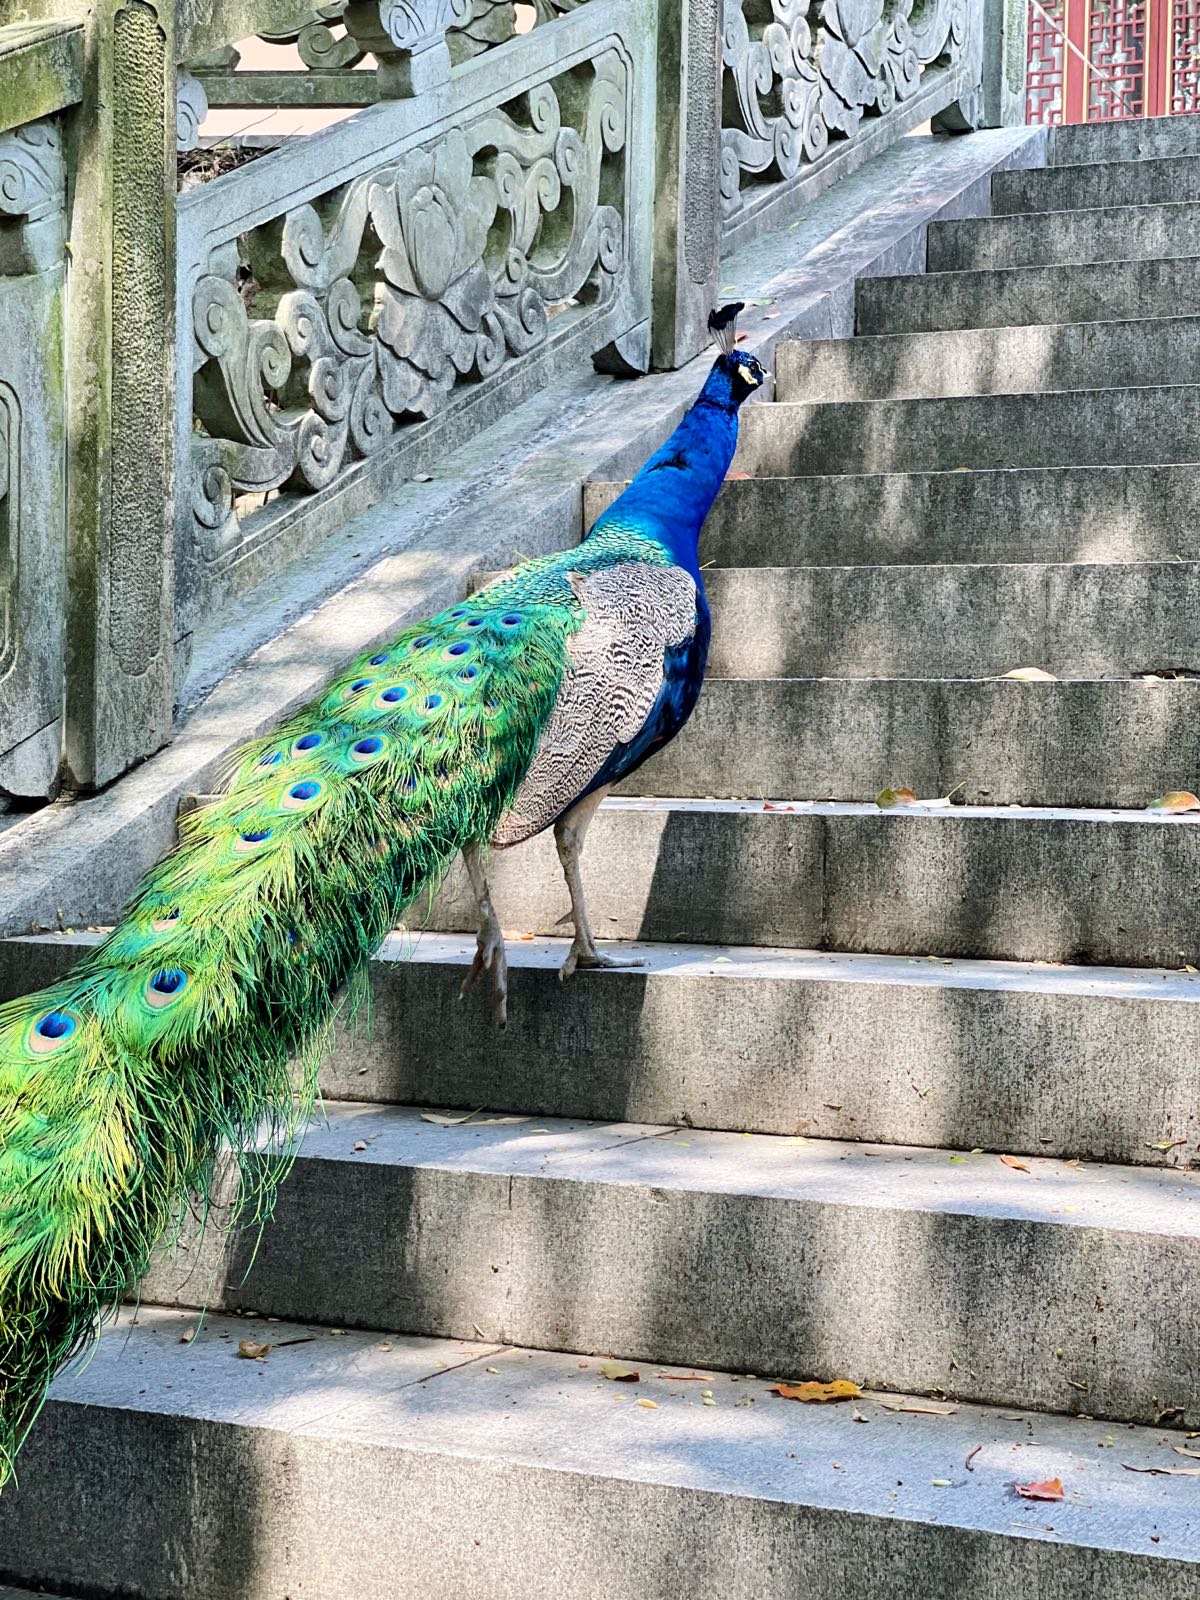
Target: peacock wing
633	613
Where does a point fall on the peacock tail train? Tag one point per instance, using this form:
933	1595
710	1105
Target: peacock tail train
176	1036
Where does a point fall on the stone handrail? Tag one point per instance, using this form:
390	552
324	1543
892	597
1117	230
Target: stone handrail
246	364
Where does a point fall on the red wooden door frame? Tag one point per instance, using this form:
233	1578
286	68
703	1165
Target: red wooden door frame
1075	26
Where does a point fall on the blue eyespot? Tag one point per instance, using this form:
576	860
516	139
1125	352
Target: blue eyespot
361	683
310	741
271	759
309	790
407	784
475	622
166	922
391	696
459	649
368	747
256	835
419	644
432	702
378	661
468	673
56	1025
511	620
169	981
454	615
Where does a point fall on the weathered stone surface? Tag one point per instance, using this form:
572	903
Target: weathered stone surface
1075	428
1141	139
1098	183
32	523
1148	513
885	1048
1091	291
446	1461
41	69
1043	238
1079	620
785	1257
1034	360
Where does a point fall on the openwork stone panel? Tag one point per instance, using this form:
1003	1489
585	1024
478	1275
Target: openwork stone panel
801	79
325	335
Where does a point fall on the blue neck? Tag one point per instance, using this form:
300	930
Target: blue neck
671	496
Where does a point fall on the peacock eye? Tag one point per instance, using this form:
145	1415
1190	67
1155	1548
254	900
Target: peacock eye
432	702
271	759
56	1025
359	685
309	741
304	791
256	835
377	661
459	649
419	644
366	748
512	620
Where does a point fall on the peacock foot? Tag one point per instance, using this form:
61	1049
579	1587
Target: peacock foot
490	957
583	956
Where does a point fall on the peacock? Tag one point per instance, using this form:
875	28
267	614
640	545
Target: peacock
176	1037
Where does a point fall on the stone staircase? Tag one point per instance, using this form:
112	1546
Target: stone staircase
777	1148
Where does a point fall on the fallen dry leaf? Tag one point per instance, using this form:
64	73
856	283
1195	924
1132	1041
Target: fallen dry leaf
616	1373
249	1351
928	1408
818	1394
1175	801
1165	1472
650	1405
1047	1489
441	1120
1182	1450
1017	1166
686	1377
887	798
1029	675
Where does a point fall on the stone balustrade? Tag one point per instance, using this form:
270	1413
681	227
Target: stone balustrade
198	387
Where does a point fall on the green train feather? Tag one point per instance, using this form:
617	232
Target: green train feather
175	1036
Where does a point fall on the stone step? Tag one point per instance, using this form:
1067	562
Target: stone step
1058	1286
1020	515
1080	743
1038	238
1157	181
329	1467
1010	883
978	361
1081	428
1138	139
1073	619
894	1049
1016	296
1111	888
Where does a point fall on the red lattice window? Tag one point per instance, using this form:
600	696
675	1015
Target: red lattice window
1044	68
1116	75
1185	56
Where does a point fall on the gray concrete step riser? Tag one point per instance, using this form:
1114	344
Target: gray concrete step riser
759	1281
1094	426
932	1056
1112	892
1117	183
1139	139
263	1514
1032	744
1016	296
1044	238
1036	514
976	361
1103	890
1078	620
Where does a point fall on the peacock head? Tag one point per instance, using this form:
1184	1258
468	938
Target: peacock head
736	374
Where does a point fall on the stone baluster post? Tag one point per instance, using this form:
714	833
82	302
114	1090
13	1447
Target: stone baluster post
120	148
687	228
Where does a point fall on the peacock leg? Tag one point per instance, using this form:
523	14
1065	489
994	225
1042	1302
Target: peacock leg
489	941
569	833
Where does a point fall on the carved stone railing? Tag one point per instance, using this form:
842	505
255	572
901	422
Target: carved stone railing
32	407
808	100
351	306
227	374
